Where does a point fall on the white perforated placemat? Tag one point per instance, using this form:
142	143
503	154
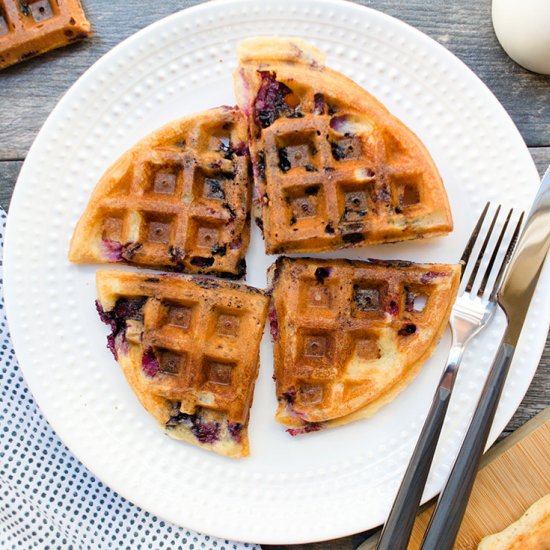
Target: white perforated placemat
48	499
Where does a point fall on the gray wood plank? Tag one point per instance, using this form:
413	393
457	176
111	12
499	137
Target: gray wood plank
8	176
465	28
541	156
35	86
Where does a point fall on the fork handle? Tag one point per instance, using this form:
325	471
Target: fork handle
447	517
398	527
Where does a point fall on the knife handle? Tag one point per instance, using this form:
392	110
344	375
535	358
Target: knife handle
398	527
451	505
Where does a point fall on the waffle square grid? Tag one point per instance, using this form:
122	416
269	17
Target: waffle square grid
326	187
201	337
180	202
331	315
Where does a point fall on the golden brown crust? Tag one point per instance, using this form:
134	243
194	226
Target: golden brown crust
188	347
350	335
530	532
332	166
29	28
179	200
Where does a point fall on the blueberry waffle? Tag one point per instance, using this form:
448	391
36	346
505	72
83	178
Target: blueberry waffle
350	335
332	167
29	28
178	200
189	348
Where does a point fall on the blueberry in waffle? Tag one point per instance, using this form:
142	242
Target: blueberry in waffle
350	335
333	167
178	200
189	348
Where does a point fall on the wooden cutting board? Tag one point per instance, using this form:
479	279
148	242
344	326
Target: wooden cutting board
513	475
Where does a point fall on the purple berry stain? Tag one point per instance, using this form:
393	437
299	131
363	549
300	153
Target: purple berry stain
340	124
235	430
149	363
290	396
108	320
393	308
116	318
115	251
112	250
102	315
241	149
308	428
205	432
273	323
429	276
270	102
111	345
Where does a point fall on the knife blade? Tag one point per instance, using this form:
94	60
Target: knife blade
526	264
519	284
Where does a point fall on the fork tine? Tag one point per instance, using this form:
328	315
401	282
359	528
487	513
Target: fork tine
489	268
506	259
472	241
482	252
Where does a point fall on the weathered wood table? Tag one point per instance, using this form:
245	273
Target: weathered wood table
29	91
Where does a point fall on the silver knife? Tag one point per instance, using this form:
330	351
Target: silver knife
514	297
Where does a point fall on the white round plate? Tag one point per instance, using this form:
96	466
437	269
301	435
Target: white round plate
323	485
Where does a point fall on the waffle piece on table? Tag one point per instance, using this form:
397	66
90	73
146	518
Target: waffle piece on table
29	28
178	200
189	348
333	168
350	335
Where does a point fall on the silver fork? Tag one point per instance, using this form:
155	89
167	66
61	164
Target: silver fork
470	314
